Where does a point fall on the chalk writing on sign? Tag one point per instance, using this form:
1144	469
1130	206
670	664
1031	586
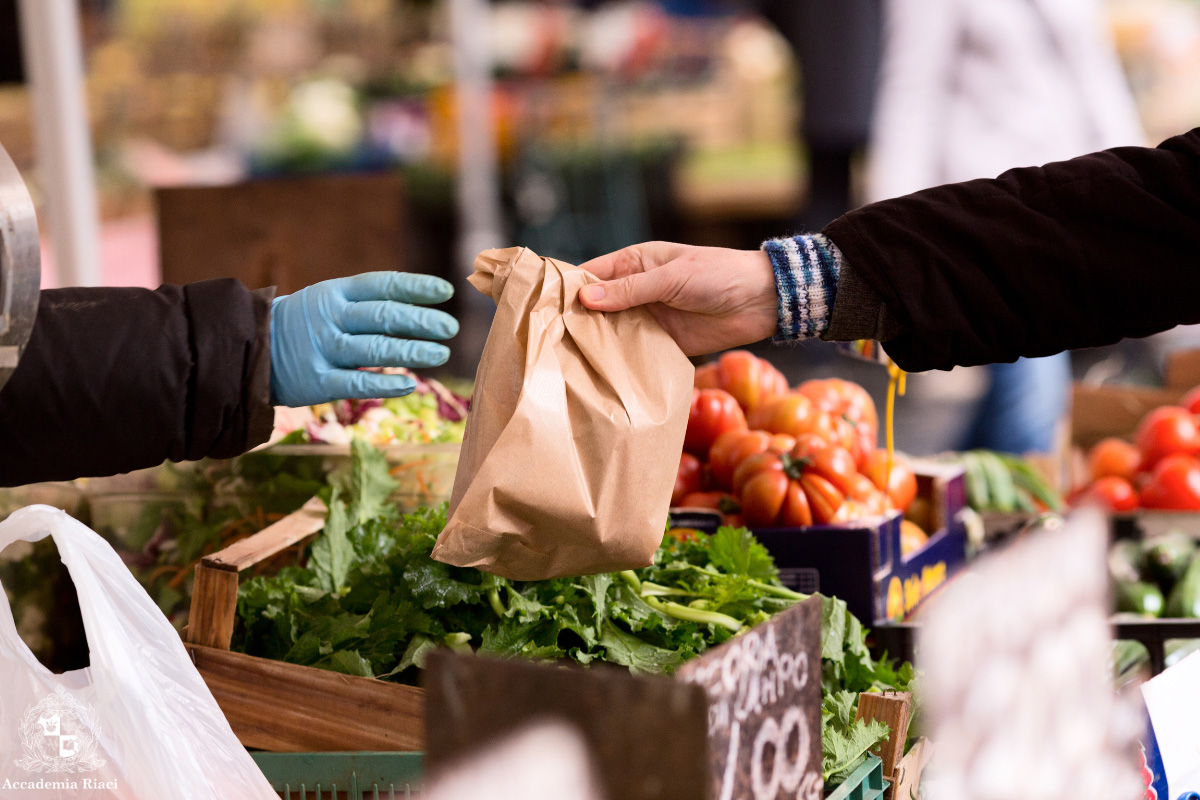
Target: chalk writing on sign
764	714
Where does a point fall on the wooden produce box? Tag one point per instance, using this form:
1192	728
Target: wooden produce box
1098	412
273	705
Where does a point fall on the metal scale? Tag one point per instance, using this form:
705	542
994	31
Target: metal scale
20	266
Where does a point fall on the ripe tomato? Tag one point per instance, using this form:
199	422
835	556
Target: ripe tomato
824	498
713	412
1114	457
718	501
706	376
732	448
842	398
781	443
750	379
1112	493
759	462
783	414
687	477
1191	400
901	486
762	498
797	511
834	464
869	495
1166	431
1174	485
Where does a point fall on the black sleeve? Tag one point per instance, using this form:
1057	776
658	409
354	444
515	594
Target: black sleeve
117	379
1074	254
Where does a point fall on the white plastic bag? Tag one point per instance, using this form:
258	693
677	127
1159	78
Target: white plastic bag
138	723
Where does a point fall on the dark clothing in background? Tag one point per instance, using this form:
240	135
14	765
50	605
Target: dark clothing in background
116	379
1074	254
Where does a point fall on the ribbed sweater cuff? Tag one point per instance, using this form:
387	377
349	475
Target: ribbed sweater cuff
806	279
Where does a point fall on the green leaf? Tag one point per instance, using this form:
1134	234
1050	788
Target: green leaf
332	553
628	650
367	483
736	551
843	747
351	663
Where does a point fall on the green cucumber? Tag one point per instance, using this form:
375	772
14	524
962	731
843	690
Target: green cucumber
1125	559
977	486
1166	558
1001	491
1185	597
1139	597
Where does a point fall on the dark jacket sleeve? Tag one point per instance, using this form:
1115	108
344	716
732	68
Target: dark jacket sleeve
1074	254
116	379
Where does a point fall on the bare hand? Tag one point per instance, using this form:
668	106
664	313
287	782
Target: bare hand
708	298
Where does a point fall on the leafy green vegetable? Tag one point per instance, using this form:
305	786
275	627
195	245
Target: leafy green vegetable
372	601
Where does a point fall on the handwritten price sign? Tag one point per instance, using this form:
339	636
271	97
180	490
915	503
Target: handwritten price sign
764	713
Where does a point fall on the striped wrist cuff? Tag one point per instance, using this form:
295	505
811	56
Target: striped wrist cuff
806	275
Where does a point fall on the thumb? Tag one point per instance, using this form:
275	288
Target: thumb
633	290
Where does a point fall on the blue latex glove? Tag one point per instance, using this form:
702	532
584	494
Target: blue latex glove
321	335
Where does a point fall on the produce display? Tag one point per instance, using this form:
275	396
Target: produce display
1158	577
1002	482
769	456
432	414
1159	470
367	599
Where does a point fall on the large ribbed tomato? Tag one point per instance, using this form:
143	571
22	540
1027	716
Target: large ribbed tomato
732	448
750	379
793	414
901	488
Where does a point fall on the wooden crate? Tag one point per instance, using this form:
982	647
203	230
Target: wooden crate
273	705
1115	410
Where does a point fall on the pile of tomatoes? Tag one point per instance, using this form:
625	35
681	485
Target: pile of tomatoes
1160	471
768	456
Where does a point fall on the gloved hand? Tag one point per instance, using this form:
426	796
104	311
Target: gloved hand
321	335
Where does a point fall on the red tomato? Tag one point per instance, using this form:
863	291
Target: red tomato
1114	457
687	478
901	486
781	443
823	498
842	398
836	465
759	462
1175	484
713	412
750	379
732	448
796	510
1112	493
718	501
792	414
762	498
706	376
1191	400
1166	431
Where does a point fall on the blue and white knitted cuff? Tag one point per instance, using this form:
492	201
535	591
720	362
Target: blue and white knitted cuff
806	276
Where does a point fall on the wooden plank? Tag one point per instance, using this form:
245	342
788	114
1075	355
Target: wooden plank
1101	411
893	708
214	607
1183	369
274	538
273	705
907	783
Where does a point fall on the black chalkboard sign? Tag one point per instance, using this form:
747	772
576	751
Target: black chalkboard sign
764	708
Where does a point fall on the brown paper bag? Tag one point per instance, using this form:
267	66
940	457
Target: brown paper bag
574	434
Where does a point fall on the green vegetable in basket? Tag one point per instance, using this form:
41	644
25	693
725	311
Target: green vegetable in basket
1185	597
1166	558
1125	560
1139	597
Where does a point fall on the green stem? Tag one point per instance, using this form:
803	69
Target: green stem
693	614
630	577
658	590
779	591
496	603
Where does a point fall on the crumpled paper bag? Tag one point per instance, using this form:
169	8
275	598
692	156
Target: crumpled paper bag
574	433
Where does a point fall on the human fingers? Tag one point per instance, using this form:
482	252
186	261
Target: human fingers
374	350
655	286
353	384
405	287
398	319
633	259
